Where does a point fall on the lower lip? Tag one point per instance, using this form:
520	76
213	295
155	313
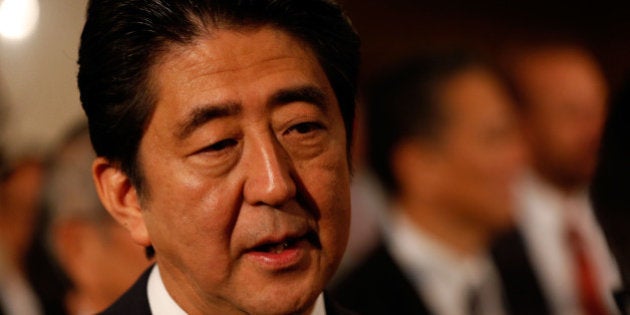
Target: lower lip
288	258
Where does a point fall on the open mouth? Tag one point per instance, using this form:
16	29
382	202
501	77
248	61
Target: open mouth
277	248
284	253
288	243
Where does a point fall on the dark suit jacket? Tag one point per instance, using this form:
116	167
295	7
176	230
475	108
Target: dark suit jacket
521	287
378	286
136	301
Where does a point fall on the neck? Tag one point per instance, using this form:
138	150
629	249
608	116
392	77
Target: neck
456	233
565	185
78	302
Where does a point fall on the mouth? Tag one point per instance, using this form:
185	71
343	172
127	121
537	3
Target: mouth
285	252
277	247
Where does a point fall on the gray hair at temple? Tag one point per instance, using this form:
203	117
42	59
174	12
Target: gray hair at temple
69	193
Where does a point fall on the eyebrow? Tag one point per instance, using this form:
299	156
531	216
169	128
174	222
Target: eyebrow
307	94
203	115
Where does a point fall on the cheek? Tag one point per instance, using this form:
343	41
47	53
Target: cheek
476	177
327	181
185	212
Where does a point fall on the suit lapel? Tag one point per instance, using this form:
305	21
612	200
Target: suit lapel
378	286
522	291
135	300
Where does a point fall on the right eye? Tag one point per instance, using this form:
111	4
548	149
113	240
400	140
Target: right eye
219	146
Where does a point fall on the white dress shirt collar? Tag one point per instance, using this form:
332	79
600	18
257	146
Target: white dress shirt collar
543	215
160	300
443	277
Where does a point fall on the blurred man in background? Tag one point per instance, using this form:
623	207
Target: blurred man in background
444	141
563	95
20	188
98	255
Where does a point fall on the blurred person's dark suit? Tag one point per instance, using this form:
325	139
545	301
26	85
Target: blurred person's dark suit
381	287
611	187
520	283
444	143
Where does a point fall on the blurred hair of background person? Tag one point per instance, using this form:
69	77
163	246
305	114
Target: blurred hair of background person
444	142
98	255
610	189
20	189
562	98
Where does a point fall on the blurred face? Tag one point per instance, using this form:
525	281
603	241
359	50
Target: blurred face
566	97
480	151
93	253
19	197
245	162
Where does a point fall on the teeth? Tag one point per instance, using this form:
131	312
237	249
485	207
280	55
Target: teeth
277	249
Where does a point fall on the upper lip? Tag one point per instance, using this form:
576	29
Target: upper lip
280	237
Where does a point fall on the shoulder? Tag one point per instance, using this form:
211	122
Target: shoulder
135	300
378	286
334	308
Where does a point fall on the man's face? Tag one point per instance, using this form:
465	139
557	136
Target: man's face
566	108
247	200
481	151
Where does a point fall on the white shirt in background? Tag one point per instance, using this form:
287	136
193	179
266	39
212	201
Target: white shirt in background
543	216
16	295
443	278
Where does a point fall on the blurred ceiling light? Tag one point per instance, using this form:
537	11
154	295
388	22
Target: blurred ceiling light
18	18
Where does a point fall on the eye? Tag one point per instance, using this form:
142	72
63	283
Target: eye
220	146
304	128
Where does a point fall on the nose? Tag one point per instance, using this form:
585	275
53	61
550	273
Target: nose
269	179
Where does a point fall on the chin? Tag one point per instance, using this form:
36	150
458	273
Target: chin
276	304
291	293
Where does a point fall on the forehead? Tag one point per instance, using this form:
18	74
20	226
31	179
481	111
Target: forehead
562	74
474	93
220	64
244	72
222	51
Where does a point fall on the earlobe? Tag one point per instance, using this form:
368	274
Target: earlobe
120	199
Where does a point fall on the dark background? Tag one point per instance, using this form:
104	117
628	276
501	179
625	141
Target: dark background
393	29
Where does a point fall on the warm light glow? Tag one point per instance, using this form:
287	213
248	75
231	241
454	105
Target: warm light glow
18	18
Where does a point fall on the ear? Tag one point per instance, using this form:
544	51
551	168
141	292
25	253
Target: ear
120	199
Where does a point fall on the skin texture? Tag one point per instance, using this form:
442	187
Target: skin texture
246	145
459	187
564	99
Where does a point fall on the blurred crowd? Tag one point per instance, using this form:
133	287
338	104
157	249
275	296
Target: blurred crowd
481	187
500	187
60	251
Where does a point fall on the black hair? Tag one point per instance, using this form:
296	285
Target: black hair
403	103
122	39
